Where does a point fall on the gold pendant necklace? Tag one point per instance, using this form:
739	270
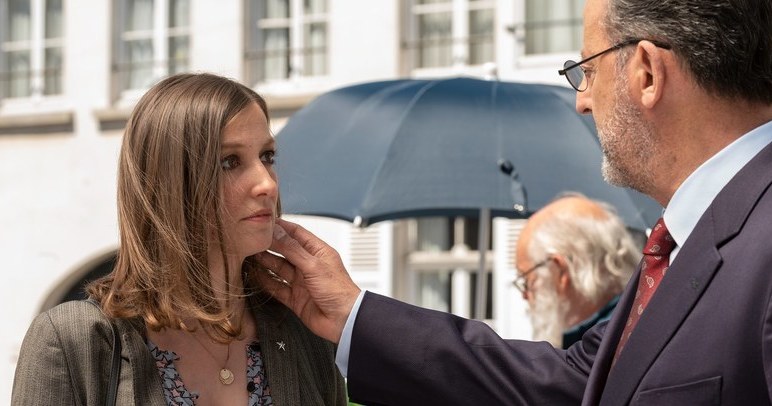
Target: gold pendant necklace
225	375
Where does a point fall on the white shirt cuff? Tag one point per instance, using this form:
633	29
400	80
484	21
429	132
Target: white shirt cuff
344	345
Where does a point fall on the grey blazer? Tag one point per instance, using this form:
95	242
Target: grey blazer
65	360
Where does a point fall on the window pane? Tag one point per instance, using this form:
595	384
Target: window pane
276	8
434	233
315	54
276	53
472	233
434	290
139	69
178	54
139	15
52	77
179	13
488	295
18	84
553	26
435	40
53	18
480	36
20	26
315	6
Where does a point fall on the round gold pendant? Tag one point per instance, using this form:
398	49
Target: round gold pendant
226	376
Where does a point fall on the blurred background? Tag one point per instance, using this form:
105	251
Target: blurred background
71	70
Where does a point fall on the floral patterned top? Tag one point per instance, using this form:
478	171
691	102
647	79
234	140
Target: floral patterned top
177	395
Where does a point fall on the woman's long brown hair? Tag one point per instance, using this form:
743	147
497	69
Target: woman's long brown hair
168	199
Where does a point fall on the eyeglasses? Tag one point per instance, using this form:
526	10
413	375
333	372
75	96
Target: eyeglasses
521	283
576	77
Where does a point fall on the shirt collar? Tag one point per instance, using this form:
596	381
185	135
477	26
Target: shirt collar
697	192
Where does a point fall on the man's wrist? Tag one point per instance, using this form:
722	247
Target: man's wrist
344	343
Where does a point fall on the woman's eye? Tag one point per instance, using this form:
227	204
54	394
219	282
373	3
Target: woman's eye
230	162
268	157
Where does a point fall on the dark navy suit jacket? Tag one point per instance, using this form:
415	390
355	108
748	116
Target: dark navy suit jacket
705	338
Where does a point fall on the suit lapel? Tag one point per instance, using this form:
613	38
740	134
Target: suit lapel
279	351
681	288
145	384
679	291
608	345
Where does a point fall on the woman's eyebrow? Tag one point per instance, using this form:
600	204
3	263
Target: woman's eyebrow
270	142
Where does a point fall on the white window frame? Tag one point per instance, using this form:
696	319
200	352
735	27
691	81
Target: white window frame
295	23
459	262
563	17
539	61
460	35
159	34
37	45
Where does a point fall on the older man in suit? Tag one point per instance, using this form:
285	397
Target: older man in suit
681	92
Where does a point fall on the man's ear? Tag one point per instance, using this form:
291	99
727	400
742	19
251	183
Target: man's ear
564	278
649	73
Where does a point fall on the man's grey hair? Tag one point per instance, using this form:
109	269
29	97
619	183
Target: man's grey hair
725	44
600	252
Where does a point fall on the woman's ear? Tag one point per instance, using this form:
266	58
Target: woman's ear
649	73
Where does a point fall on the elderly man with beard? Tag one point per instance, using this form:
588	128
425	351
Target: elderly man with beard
681	92
574	257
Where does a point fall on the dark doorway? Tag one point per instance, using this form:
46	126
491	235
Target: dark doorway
77	292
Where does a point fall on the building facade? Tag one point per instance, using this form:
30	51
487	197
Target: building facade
71	70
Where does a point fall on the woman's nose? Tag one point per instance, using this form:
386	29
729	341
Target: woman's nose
265	182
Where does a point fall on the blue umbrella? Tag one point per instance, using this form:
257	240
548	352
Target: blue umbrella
450	147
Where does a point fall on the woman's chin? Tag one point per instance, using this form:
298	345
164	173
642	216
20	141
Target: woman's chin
258	248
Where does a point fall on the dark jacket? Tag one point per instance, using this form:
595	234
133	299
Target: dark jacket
575	333
704	339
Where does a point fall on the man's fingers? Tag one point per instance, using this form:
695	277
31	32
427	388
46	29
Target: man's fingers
285	243
275	276
305	240
279	268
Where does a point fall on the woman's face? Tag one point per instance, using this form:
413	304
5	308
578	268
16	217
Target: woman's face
249	185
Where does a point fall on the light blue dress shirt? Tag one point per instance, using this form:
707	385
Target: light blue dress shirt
687	205
697	192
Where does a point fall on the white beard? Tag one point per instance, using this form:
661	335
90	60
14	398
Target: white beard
547	313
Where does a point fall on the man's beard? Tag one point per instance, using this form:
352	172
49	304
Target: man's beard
547	313
628	143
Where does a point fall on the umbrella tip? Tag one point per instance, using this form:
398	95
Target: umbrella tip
490	71
358	221
505	165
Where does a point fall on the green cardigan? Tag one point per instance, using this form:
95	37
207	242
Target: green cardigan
65	360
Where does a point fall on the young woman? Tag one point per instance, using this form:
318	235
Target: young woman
197	199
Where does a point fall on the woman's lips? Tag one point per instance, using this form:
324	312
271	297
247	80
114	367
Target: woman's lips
260	216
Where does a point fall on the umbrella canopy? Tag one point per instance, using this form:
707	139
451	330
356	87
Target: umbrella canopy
407	148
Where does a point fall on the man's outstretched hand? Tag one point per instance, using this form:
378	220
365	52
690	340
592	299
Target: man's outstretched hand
310	279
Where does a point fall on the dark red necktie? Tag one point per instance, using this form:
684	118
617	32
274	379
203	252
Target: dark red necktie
656	258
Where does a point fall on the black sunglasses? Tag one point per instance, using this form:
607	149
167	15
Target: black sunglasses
576	77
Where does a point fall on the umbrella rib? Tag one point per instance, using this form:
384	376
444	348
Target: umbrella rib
428	85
